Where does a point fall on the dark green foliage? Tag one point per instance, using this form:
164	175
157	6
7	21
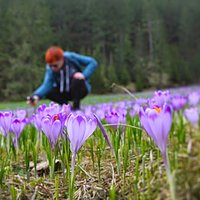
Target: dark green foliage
149	43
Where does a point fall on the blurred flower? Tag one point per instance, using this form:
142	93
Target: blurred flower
116	117
192	115
193	99
21	114
141	101
51	110
178	102
135	110
41	108
37	122
5	122
17	127
100	113
36	118
66	109
160	98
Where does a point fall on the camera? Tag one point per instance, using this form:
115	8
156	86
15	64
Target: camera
31	99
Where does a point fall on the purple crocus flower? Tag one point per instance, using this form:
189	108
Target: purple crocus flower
62	116
141	101
88	110
157	123
51	126
5	122
79	128
41	108
161	97
178	102
17	127
113	119
37	122
21	114
134	110
192	115
48	110
193	99
100	113
116	117
66	109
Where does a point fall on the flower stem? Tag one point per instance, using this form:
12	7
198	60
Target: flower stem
171	184
170	176
72	167
71	190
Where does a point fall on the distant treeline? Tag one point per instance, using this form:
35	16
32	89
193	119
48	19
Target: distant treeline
137	43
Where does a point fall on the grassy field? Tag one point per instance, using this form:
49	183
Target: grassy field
133	170
89	100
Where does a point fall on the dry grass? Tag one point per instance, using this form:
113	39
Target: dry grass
145	177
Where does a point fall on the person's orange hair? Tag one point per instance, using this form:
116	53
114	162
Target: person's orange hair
54	54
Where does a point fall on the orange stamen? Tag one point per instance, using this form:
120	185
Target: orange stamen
157	109
55	117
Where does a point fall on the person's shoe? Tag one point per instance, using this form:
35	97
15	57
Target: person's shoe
76	105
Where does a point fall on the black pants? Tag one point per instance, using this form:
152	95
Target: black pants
77	91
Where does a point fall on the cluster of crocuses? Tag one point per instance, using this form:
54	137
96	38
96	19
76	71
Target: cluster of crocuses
155	114
12	124
60	122
51	120
54	121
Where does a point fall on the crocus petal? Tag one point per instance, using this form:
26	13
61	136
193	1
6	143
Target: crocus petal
79	126
5	121
46	126
16	127
167	121
90	128
155	125
145	123
76	130
55	131
69	127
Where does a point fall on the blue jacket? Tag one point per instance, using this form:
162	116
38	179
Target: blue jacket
75	63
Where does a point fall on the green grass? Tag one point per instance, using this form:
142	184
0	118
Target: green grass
134	171
90	99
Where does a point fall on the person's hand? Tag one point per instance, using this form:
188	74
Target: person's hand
79	75
32	100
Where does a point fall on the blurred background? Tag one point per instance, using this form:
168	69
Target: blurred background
139	44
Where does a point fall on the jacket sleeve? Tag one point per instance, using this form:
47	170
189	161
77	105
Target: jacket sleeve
47	84
89	63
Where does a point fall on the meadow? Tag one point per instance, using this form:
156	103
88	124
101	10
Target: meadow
144	146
